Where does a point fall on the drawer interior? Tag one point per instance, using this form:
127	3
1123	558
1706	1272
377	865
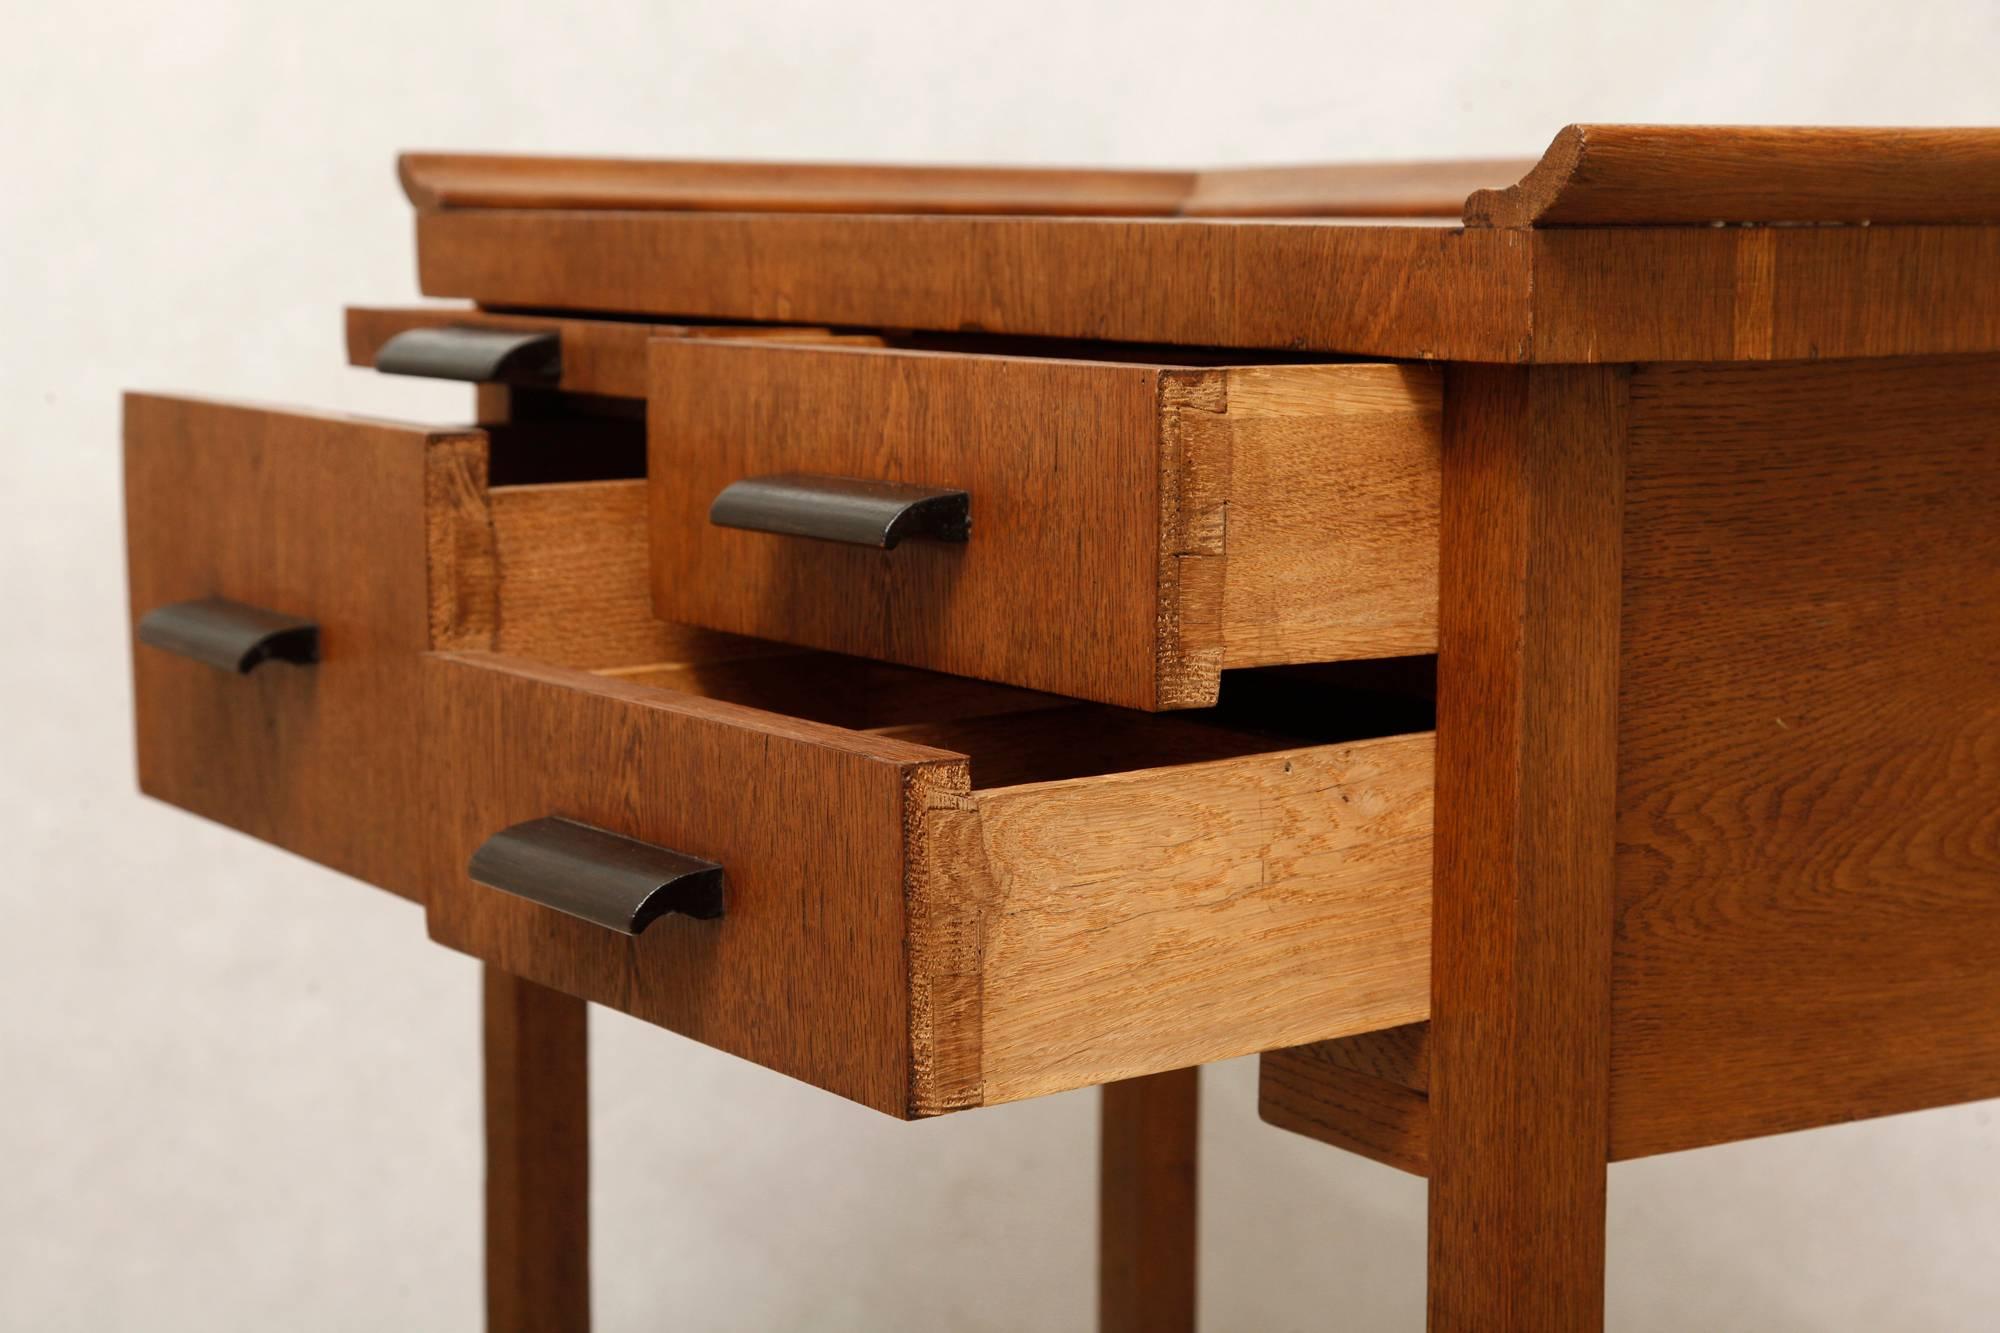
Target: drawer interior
569	585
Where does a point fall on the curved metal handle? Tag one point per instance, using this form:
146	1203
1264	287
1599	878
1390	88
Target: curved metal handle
844	509
602	877
229	635
484	356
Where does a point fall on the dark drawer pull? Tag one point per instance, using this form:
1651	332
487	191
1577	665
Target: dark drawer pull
484	356
230	635
602	877
843	509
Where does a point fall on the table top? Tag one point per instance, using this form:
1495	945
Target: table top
1623	243
1591	175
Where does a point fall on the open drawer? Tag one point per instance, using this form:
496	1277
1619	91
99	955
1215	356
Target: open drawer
287	569
1109	529
938	892
932	915
278	566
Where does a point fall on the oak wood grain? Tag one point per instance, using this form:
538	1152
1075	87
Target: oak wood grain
599	356
1417	291
977	946
805	974
1520	1033
1366	1093
1400	1055
1598	175
1809	749
1618	294
1137	528
489	181
316	516
1314	1091
1421	189
1490	294
1066	933
570	581
1148	1186
537	1101
1390	189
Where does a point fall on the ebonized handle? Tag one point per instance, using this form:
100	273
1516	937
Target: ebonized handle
229	635
483	356
602	877
844	509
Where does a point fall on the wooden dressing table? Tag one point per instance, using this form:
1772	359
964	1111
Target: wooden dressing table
1524	656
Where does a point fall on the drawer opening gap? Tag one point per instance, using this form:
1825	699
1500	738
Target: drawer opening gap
557	437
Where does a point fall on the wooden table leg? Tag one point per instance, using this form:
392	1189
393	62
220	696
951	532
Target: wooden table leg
537	1159
1526	770
1146	1218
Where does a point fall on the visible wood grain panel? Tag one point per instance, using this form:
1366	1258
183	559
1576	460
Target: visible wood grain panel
1066	933
537	1081
1329	536
1809	749
1598	175
1501	294
1148	1184
1365	1093
1311	1090
1061	459
1433	189
806	972
599	356
1521	953
1136	527
1612	294
918	946
1400	1055
1399	291
571	580
1369	189
318	516
477	180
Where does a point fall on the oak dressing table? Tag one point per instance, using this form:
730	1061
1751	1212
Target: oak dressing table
1514	643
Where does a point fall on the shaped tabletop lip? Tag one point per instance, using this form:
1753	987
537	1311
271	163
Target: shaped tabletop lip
1591	175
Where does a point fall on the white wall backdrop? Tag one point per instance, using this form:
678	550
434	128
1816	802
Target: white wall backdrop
239	1093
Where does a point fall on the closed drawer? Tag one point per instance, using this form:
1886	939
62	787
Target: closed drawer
1135	528
933	915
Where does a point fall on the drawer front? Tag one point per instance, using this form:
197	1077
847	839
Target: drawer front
322	519
1134	528
902	937
805	971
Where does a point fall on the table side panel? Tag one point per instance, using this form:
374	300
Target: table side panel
1809	740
